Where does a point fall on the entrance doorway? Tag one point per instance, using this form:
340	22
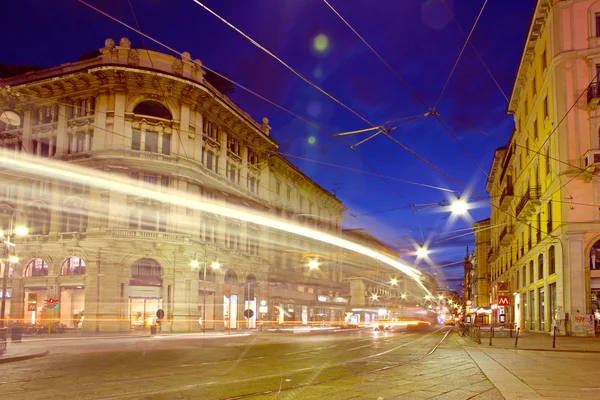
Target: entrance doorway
142	312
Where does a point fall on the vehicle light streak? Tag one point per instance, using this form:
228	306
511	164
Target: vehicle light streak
70	173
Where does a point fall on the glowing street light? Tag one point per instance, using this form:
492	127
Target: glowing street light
441	297
374	297
428	297
403	296
21	231
313	264
394	282
422	252
459	207
13	259
195	263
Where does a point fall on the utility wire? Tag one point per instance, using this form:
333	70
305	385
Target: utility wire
475	50
298	74
459	56
415	95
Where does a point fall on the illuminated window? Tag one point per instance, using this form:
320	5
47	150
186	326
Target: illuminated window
36	267
73	266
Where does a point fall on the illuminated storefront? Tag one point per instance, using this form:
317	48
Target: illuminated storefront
145	293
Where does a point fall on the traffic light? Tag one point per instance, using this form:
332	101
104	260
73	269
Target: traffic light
51	303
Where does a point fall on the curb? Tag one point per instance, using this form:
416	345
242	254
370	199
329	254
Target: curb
4	360
557	350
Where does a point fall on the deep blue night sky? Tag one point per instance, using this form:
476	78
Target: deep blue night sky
418	38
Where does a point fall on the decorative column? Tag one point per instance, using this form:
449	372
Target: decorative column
575	279
100	132
61	130
27	130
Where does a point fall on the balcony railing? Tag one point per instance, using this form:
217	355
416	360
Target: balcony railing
528	202
506	197
593	95
506	235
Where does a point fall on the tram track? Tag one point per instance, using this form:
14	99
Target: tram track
360	363
307	354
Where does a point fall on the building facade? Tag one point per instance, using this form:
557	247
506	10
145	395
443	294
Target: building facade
545	214
112	260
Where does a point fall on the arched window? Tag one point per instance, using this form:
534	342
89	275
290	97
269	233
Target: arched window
531	271
540	266
73	266
36	267
595	256
551	261
146	272
152	109
231	277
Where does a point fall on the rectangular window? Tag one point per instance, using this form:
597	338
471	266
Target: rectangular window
531	271
597	18
300	203
541	310
150	179
533	87
209	130
526	107
252	184
151	144
538	232
540	267
527	147
289	194
277	188
209	160
79	142
552	298
164	181
545	107
549	227
535	130
518	280
136	140
531	310
166	144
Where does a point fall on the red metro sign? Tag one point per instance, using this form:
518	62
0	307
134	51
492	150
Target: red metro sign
503	300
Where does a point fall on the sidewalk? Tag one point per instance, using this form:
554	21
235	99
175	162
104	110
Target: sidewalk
534	371
543	342
22	351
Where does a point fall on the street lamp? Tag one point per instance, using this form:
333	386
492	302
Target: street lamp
214	265
313	264
394	282
19	231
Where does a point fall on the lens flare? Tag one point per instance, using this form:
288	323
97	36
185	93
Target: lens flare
321	43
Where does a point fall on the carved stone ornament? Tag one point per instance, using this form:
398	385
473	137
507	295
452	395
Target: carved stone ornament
109	43
177	67
133	58
124	42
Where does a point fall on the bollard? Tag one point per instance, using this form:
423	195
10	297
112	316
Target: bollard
517	336
491	334
510	326
479	335
554	337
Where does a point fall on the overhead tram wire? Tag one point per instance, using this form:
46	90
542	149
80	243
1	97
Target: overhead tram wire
298	74
255	43
431	111
459	56
456	181
475	50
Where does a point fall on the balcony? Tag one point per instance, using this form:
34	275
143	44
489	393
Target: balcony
507	195
528	203
593	95
494	254
507	234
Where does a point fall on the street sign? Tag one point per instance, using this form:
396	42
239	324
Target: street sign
248	313
503	300
31	296
263	309
31	307
160	313
502	287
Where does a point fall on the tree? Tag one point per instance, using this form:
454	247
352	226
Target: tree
222	85
7	70
89	55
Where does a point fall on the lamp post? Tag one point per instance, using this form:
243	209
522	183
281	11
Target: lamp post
214	265
20	231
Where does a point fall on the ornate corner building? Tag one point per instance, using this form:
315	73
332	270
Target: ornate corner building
545	217
111	260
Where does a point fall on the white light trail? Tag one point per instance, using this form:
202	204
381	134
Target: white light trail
72	173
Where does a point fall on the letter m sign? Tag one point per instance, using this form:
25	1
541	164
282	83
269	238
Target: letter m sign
503	300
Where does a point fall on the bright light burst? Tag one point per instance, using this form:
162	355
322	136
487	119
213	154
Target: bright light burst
321	43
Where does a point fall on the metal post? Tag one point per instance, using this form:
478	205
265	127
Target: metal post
204	297
554	337
517	336
4	282
248	325
491	333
